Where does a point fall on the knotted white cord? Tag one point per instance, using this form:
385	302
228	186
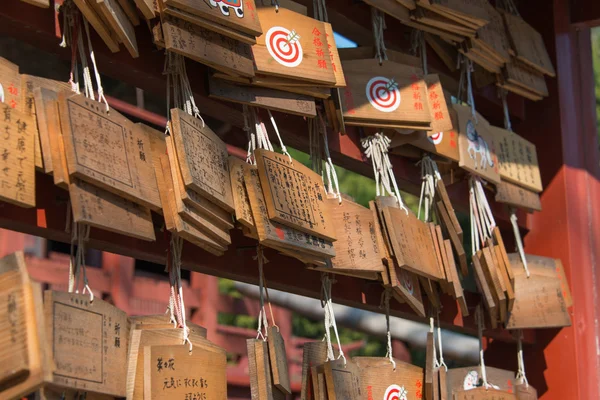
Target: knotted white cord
436	363
479	318
387	294
518	240
80	234
439	335
326	284
176	300
101	97
378	22
178	81
429	176
330	168
376	148
283	148
520	361
262	315
482	219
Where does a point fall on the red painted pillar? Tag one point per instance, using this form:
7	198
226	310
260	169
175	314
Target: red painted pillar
121	270
564	364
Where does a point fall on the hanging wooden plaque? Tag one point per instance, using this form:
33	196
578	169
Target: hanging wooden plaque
342	379
334	56
147	7
413	244
293	46
278	358
10	85
319	383
271	99
120	24
525	392
443	386
162	321
456	240
107	150
102	209
172	372
202	158
17	178
243	212
238	15
476	145
313	354
390	93
429	366
381	245
379	379
486	260
102	28
32	87
518	159
492	37
206	47
153	337
517	196
279	235
445	199
49	104
89	342
443	143
294	194
438	107
406	287
266	390
356	248
484	394
190	198
447	284
469	379
484	289
457	288
252	373
176	224
528	44
520	74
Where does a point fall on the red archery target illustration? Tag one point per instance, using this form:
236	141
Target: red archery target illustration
407	282
436	138
383	94
284	46
395	392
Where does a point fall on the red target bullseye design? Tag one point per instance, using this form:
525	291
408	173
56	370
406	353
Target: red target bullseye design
284	46
407	282
383	94
436	138
395	392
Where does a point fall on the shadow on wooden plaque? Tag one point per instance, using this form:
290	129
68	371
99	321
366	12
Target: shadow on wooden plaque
313	354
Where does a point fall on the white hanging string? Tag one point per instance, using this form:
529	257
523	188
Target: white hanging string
521	363
283	148
429	176
441	363
470	97
376	148
176	300
507	123
378	22
518	240
387	294
479	318
262	330
326	283
101	97
332	178
178	82
436	363
80	234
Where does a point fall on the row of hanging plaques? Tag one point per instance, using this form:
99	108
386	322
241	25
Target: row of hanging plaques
67	345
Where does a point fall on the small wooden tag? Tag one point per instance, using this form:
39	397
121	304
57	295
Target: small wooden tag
10	85
381	245
171	371
294	194
457	288
483	394
429	367
502	249
89	342
525	392
443	385
379	379
314	353
278	358
17	178
441	192
243	212
102	28
120	24
456	240
342	381
319	383
491	275
206	47
517	196
202	158
484	289
469	379
162	321
276	234
49	101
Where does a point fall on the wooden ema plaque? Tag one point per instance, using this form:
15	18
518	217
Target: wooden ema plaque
195	203
162	321
442	194
142	338
342	381
469	379
525	392
388	94
313	354
413	244
272	99
429	366
243	212
518	159
29	85
540	300
202	158
107	150
293	46
14	315
485	290
96	19
455	239
102	209
207	47
56	393
119	24
493	38
17	180
89	342
294	194
528	44
476	145
381	245
484	394
379	380
487	259
517	196
266	388
438	107
356	248
521	75
172	372
173	221
252	368
237	15
278	359
47	107
406	287
319	383
10	85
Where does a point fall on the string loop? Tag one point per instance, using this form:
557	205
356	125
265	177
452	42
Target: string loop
326	283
